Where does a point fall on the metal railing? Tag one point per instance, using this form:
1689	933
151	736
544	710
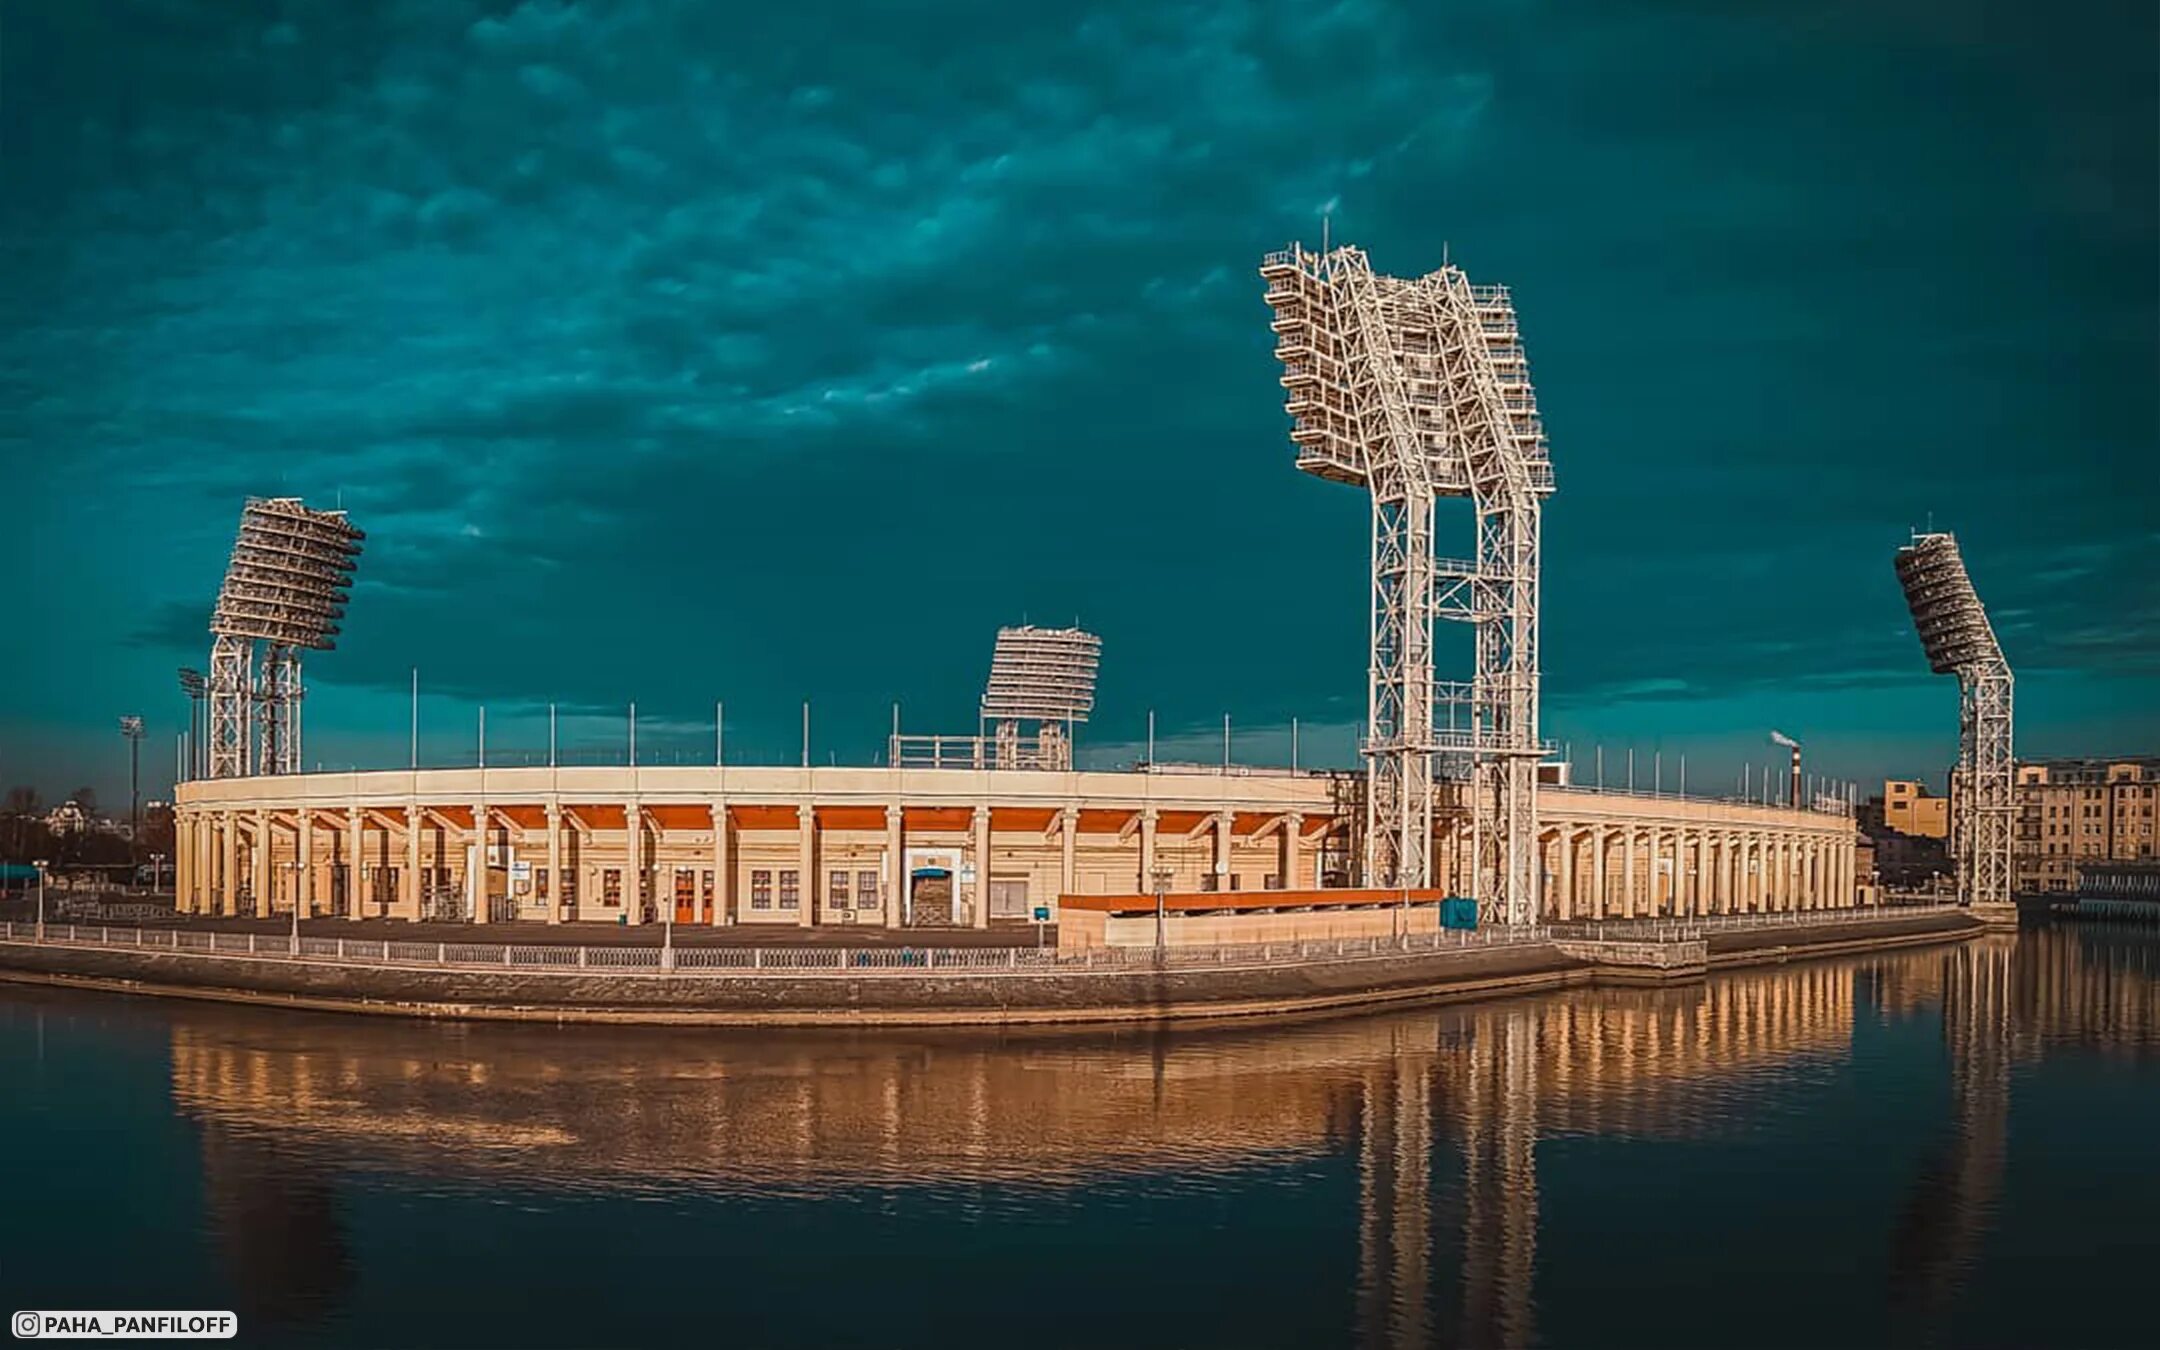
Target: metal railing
768	961
1701	925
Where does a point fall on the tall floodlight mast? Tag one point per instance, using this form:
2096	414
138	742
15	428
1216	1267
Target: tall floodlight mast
285	587
1417	389
1959	640
1043	675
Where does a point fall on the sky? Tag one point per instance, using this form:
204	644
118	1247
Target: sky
680	352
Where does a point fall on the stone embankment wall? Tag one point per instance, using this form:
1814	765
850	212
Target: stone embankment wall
1127	994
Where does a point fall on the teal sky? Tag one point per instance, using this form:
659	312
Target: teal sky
676	351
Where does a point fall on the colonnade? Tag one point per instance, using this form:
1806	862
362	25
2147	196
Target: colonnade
1628	870
415	860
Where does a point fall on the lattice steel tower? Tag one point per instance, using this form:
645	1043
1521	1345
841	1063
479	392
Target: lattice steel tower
1959	640
285	586
1417	389
1045	676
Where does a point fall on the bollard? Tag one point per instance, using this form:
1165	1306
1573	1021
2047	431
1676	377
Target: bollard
581	958
341	949
442	957
251	944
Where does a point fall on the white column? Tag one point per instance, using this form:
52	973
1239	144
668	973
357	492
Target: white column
982	867
554	862
1293	837
476	870
634	861
205	863
1147	852
1627	872
304	874
806	861
409	884
1598	897
355	851
896	876
1068	830
1564	901
723	868
1225	823
183	843
265	895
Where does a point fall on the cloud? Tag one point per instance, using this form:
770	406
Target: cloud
672	349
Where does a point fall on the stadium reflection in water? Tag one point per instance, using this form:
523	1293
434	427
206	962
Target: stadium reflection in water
1483	1175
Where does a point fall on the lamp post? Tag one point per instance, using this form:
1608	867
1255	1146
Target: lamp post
157	871
1160	877
293	870
41	864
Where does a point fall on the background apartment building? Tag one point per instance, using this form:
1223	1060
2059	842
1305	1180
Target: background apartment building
2081	810
1909	808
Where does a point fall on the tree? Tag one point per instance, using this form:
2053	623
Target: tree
157	831
21	801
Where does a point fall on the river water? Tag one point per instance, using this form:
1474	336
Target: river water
1950	1145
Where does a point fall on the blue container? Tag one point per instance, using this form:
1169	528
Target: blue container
1458	911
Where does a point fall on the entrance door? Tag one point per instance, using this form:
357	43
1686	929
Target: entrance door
930	898
685	895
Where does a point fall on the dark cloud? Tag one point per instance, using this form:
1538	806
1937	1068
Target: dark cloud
677	348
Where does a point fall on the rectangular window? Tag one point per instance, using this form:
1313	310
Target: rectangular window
611	888
836	890
866	890
790	888
761	888
569	885
705	887
1233	881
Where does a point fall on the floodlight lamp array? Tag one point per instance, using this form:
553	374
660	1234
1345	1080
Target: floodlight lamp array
1953	626
290	574
1044	674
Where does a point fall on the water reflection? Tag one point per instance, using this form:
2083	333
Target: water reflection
1442	1111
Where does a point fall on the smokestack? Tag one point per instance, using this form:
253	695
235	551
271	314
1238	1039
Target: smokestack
1793	792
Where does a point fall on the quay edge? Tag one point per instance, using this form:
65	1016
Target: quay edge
963	998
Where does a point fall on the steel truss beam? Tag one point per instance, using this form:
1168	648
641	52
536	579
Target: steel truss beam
1959	640
1417	390
232	706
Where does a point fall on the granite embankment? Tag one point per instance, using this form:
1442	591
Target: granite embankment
1133	991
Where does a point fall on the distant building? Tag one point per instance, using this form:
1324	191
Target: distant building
68	818
1909	830
2074	812
1909	808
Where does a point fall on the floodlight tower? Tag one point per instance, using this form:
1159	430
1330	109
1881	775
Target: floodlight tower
285	587
1959	640
1417	389
1043	675
131	729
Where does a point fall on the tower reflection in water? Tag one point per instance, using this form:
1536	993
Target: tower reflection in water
1441	1110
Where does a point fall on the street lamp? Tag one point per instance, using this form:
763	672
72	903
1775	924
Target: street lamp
157	871
1161	878
294	864
40	865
